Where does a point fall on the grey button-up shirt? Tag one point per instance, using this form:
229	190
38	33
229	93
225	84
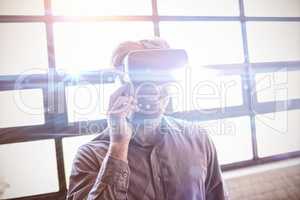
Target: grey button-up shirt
182	165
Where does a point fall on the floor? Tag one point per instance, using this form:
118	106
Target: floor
275	184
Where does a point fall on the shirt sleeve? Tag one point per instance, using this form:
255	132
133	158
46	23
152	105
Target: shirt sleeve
215	187
91	180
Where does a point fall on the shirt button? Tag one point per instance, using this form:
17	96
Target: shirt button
124	174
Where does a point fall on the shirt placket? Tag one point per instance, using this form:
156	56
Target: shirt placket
157	175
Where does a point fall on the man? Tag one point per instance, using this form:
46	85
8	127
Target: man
159	158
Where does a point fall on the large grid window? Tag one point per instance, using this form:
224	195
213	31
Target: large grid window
242	83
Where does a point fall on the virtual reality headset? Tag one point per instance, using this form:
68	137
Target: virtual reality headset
154	65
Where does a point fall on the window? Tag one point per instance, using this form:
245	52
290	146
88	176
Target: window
232	138
21	108
198	7
22	7
206	42
279	8
96	7
23	48
70	148
23	171
278	132
278	86
274	41
93	106
88	46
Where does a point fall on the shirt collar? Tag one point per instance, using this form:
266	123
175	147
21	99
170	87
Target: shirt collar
168	125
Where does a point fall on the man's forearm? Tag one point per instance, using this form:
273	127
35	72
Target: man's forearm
118	151
112	180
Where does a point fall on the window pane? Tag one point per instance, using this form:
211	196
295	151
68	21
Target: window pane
22	7
202	90
198	7
206	42
278	132
273	41
94	104
278	86
279	8
23	48
21	108
89	46
22	169
96	7
232	138
70	147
